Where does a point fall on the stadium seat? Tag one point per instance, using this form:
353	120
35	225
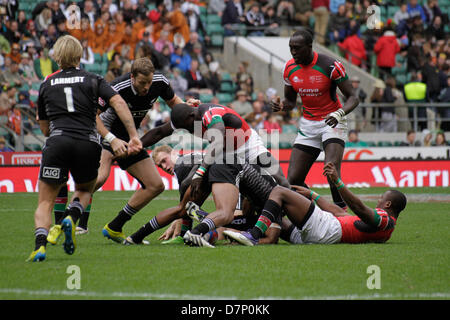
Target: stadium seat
225	98
213	19
217	40
226	86
391	10
226	76
214	29
206	97
384	144
98	58
285	145
371	144
289	128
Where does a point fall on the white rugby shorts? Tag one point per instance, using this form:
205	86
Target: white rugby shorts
322	227
314	133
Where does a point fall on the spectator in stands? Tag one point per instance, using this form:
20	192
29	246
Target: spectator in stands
271	124
232	17
257	117
415	56
286	8
386	48
3	147
197	54
244	79
113	38
427	138
241	105
195	79
338	25
12	33
44	66
254	19
178	82
416	91
7	100
180	59
115	67
195	22
357	117
401	14
440	140
43	20
388	116
303	12
15	120
334	5
11	75
321	12
178	21
5	46
27	68
410	140
436	29
353	140
88	55
354	47
98	42
216	7
15	54
430	75
415	9
272	22
164	41
445	112
212	76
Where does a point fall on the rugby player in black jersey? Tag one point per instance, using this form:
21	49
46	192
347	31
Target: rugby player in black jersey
67	108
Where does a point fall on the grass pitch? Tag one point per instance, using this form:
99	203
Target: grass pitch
413	264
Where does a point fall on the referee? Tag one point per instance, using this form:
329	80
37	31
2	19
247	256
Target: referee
67	108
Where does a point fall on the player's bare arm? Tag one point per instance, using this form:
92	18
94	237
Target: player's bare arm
120	106
118	146
289	102
156	134
365	213
320	201
174	101
350	104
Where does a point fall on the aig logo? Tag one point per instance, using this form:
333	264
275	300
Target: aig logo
49	172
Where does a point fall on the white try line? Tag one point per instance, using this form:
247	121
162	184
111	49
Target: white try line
172	296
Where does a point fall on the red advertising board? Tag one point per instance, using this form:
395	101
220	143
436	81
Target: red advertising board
433	173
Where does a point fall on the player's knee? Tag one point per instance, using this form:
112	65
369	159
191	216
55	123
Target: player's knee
155	188
276	193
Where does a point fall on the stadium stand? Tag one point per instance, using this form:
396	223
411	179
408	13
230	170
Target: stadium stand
421	31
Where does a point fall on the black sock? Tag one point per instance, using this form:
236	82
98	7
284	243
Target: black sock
84	220
60	204
74	210
124	215
145	230
204	227
40	237
269	214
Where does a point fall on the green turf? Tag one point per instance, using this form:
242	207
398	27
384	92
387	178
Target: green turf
413	264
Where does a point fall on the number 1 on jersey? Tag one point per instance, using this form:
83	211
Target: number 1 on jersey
69	99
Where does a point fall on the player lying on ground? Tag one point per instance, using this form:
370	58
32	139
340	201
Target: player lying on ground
320	222
184	167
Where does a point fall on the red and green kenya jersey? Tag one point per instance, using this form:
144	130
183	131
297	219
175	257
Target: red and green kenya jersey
316	84
354	230
237	129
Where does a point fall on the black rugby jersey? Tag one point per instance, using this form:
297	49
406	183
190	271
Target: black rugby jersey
138	105
68	99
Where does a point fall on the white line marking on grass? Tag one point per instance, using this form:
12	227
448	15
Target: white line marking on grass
172	296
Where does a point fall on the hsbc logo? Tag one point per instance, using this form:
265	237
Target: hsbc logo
52	173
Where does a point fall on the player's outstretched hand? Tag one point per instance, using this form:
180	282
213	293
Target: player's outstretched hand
119	147
193	102
275	104
302	190
173	231
329	170
134	146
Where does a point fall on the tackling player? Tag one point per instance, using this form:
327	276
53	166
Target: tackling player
67	107
315	77
313	220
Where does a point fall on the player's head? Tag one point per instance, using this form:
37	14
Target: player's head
67	52
183	117
300	45
393	201
142	71
165	158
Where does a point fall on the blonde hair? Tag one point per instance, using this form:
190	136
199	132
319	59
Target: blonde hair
67	52
159	149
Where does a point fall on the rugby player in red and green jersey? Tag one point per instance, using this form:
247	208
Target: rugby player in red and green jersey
323	127
313	220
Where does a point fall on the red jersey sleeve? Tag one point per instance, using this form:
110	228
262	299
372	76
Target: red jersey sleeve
338	73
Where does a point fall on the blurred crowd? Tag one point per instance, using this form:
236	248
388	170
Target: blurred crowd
174	35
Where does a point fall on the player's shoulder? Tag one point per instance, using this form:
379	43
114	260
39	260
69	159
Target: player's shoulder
159	78
289	65
54	74
332	67
122	82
